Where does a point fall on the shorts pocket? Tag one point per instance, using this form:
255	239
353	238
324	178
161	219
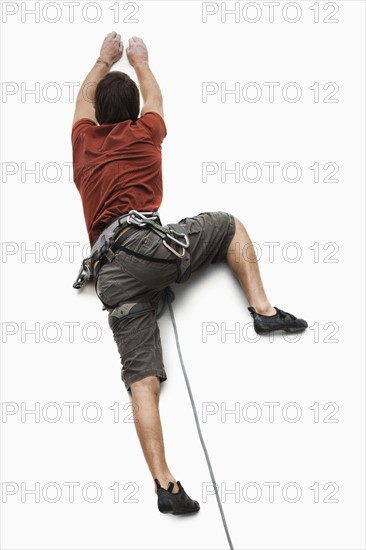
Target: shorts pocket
151	274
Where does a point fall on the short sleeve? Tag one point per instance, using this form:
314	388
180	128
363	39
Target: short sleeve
156	126
79	127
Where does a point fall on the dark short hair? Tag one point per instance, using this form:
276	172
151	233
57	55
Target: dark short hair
117	98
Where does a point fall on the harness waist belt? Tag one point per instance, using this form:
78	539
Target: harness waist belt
113	229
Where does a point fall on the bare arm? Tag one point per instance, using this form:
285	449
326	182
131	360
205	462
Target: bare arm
84	107
138	57
111	51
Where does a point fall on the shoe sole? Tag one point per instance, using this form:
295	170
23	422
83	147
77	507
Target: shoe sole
180	513
293	330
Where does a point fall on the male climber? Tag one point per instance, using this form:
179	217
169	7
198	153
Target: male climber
117	170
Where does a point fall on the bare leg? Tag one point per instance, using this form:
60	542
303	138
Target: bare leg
145	396
242	260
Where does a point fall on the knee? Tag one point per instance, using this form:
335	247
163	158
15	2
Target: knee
149	384
238	223
240	229
231	223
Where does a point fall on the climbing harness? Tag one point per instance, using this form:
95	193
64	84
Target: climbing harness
172	236
169	232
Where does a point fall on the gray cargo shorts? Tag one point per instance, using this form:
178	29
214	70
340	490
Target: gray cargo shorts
128	278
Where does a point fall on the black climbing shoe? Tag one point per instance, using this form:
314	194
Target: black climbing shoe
175	503
280	321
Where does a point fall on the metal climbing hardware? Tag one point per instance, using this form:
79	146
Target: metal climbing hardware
108	242
179	254
167	232
140	218
84	275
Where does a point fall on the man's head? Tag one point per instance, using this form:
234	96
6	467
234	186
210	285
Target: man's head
117	99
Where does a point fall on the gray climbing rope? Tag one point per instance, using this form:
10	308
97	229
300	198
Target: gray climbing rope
168	299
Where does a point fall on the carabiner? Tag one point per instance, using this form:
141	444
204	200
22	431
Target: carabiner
137	218
84	275
186	241
174	251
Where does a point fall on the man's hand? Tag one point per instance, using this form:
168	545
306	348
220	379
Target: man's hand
112	48
137	51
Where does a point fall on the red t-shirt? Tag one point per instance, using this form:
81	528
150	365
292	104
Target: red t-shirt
117	168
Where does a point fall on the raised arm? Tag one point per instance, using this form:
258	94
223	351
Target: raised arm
110	52
151	94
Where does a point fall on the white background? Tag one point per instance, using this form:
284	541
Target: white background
318	368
